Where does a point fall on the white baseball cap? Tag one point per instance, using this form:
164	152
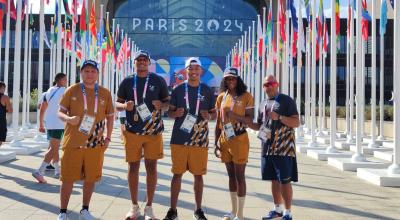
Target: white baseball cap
192	61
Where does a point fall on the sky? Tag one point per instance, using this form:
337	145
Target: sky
50	8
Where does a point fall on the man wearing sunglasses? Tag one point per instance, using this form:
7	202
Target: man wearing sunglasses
276	121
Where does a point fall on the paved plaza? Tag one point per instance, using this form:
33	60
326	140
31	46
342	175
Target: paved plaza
323	192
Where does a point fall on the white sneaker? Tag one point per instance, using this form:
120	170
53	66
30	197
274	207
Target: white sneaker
148	213
62	216
85	215
134	213
228	216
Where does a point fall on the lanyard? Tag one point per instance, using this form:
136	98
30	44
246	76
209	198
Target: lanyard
135	88
198	98
272	108
96	93
222	106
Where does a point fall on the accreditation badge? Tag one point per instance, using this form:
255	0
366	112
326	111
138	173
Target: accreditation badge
264	133
144	112
188	123
86	124
229	131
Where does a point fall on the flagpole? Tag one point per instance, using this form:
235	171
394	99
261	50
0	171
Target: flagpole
320	83
113	69
290	62
350	137
253	47
307	81
299	130
373	143
285	63
59	46
357	157
7	49
278	39
101	46
64	69
17	77
333	74
381	87
29	78
263	65
395	167
245	73
324	90
73	49
347	102
250	50
51	48
25	76
313	142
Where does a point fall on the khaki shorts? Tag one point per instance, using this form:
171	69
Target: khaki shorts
82	164
189	158
152	145
235	150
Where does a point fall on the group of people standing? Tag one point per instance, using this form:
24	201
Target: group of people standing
87	110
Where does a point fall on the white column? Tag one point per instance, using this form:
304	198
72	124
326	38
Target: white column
320	104
313	142
29	78
395	167
41	55
59	46
25	78
263	65
358	156
350	137
373	79
64	69
17	76
323	90
7	49
332	101
307	82
290	63
381	87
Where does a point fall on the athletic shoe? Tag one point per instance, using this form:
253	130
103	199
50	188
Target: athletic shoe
49	167
134	213
272	214
62	216
39	177
228	216
287	217
171	214
148	213
85	215
199	215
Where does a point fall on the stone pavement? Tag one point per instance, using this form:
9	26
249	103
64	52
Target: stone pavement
323	192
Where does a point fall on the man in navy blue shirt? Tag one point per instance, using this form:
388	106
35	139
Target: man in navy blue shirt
192	105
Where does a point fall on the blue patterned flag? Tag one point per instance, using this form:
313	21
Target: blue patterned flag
383	20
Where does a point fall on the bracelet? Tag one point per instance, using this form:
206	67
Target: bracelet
107	139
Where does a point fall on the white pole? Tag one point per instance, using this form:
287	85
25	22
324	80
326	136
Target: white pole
307	82
320	104
258	72
331	148
350	137
17	75
395	167
7	52
290	63
299	130
59	46
29	78
64	69
40	70
25	78
73	54
278	39
263	66
313	143
323	91
245	73
253	47
358	156
51	49
373	79
100	49
250	51
285	64
381	88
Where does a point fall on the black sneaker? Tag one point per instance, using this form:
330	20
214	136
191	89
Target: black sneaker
50	167
199	215
171	214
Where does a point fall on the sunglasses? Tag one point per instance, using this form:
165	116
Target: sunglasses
269	84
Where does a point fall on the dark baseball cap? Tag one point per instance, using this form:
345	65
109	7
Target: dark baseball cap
142	53
90	63
231	71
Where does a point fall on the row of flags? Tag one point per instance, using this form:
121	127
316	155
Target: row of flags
265	39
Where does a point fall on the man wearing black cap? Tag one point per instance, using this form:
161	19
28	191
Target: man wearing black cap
87	109
143	95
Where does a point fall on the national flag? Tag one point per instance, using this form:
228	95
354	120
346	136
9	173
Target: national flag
3	5
83	19
295	26
31	17
282	21
326	38
74	10
46	40
56	22
301	41
268	36
308	11
337	19
66	7
260	38
383	20
320	20
122	53
349	19
364	21
110	41
13	11
92	23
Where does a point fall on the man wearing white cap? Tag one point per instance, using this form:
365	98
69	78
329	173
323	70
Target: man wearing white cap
192	105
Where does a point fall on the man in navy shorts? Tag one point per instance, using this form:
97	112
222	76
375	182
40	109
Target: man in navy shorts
276	121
